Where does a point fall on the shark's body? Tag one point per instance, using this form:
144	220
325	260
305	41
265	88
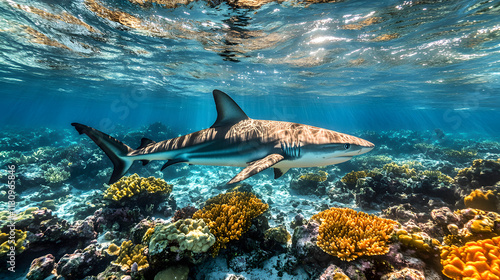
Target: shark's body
236	140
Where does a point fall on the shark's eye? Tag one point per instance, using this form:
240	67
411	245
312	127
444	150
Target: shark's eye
347	146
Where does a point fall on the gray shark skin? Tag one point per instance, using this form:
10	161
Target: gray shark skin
237	140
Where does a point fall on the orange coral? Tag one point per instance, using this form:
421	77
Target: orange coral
481	200
476	260
229	216
348	234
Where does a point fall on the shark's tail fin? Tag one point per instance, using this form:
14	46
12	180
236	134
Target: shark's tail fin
114	149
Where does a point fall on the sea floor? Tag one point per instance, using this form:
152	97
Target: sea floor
409	177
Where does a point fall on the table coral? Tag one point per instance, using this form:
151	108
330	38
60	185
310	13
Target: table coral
348	234
133	185
478	199
229	216
183	235
130	254
475	260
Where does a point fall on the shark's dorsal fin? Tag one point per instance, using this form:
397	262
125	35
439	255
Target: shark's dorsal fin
145	142
228	112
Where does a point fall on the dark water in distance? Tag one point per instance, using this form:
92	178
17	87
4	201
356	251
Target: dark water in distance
352	65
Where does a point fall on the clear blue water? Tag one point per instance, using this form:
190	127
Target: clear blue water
352	65
361	67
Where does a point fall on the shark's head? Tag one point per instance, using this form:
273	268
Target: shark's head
325	147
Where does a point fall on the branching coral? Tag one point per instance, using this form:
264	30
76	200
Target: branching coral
478	199
133	185
437	174
399	170
130	254
348	234
475	260
183	235
462	154
55	175
229	216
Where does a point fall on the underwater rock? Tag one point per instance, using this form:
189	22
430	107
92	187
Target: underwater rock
333	272
177	272
304	246
404	274
41	267
81	263
481	173
184	213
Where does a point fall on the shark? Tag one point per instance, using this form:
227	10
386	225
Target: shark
236	140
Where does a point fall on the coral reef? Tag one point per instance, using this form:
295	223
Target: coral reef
348	234
481	173
15	238
487	201
229	216
183	235
474	260
310	183
134	185
130	254
55	175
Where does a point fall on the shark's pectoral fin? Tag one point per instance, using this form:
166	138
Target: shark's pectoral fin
278	172
173	161
257	166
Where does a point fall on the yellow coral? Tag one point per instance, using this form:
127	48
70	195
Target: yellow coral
229	216
18	240
320	176
352	177
399	170
133	185
418	241
460	154
348	234
130	254
481	200
476	260
437	174
279	234
113	250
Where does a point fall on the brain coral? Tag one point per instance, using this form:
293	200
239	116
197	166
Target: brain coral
476	260
348	234
187	235
130	254
133	185
229	216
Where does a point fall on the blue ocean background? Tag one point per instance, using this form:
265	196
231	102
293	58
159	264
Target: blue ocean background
396	73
